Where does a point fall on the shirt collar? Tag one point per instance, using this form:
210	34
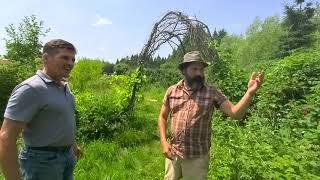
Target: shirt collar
48	79
44	77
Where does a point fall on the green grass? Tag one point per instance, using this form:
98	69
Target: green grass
104	160
151	104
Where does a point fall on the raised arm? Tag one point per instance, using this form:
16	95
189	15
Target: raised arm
239	110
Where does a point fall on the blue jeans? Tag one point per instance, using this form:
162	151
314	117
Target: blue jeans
46	165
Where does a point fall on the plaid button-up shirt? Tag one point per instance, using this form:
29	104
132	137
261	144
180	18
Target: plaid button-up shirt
190	114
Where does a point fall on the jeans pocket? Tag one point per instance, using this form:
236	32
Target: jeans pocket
46	157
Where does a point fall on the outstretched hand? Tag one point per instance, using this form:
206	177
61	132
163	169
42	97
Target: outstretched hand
255	81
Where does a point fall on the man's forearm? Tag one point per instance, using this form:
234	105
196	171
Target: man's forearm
9	159
162	130
241	107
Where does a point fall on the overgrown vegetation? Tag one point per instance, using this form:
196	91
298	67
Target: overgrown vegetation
279	138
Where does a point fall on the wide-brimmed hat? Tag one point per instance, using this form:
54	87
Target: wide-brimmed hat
190	57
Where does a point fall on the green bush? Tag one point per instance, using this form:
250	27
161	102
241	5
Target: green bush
280	140
11	74
165	76
231	80
86	75
98	116
102	101
290	80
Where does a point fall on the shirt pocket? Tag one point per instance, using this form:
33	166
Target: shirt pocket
177	103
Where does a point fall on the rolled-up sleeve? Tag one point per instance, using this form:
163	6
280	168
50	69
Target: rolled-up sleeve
165	100
219	98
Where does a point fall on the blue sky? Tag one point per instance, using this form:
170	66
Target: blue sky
113	29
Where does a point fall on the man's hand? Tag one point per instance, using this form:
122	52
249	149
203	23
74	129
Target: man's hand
77	150
166	150
162	123
255	82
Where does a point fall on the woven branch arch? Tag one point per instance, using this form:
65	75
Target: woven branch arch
172	28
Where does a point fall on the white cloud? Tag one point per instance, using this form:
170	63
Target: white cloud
100	21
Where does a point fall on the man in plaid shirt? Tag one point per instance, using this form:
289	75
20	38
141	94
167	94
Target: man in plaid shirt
190	104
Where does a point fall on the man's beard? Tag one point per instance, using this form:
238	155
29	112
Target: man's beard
195	83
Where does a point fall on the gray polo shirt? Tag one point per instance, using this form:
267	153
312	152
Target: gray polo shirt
47	109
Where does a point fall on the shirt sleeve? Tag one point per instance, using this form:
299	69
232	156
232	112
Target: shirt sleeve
219	98
23	104
165	100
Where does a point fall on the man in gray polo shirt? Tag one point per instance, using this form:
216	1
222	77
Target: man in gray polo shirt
42	108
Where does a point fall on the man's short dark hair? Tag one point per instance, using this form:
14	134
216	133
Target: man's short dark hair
52	46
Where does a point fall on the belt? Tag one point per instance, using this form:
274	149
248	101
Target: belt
50	148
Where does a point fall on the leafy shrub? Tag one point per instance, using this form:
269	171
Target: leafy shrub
230	79
165	76
86	75
11	74
290	80
102	101
280	140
